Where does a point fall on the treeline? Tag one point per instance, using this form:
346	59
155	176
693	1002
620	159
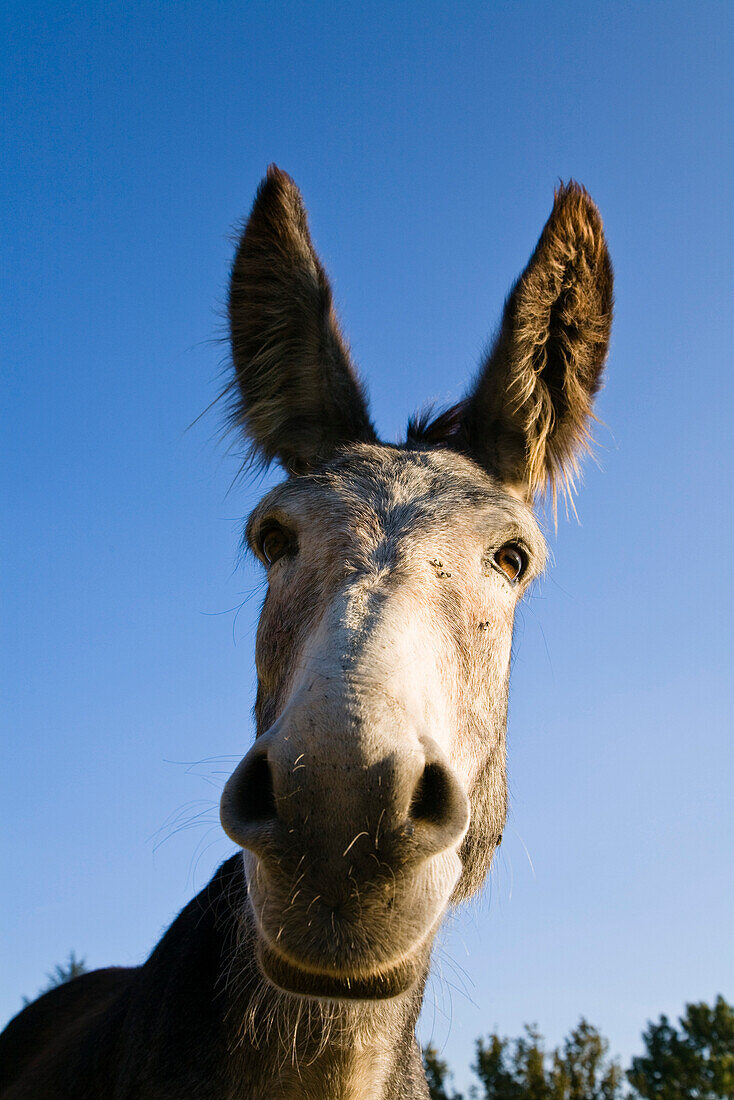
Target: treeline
693	1060
62	972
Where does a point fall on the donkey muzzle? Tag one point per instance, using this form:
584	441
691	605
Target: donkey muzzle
351	854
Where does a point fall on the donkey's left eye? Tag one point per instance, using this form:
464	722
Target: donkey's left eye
274	543
512	561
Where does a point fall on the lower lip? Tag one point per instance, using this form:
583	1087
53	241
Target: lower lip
380	986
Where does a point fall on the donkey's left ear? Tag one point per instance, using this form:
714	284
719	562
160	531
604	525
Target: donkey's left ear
527	417
299	398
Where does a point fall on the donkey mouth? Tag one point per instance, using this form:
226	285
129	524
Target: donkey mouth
306	980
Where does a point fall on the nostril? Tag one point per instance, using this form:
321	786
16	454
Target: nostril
255	796
432	796
439	809
247	810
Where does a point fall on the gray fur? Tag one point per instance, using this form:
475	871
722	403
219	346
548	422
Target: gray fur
375	795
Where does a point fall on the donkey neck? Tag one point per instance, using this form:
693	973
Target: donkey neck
383	1064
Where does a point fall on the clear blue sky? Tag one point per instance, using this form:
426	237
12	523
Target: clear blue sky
427	138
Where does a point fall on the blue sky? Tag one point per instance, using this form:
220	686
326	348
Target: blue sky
427	139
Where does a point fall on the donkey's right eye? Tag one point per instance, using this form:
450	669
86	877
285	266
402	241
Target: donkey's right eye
274	543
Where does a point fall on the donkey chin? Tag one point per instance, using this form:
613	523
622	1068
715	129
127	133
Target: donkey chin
370	940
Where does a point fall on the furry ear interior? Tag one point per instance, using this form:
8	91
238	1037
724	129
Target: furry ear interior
527	417
299	395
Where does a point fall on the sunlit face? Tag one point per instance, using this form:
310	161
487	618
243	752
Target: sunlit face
383	657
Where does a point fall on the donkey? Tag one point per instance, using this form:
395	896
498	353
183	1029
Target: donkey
374	795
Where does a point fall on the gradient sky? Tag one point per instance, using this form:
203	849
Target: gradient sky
427	139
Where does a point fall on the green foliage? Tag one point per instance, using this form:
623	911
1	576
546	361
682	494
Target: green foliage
437	1074
521	1070
62	972
512	1070
692	1062
581	1069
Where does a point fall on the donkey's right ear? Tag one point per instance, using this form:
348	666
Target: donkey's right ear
527	417
299	396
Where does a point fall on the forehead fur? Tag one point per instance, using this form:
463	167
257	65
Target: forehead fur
393	490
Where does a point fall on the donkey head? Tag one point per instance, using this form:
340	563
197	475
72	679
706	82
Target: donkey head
375	792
